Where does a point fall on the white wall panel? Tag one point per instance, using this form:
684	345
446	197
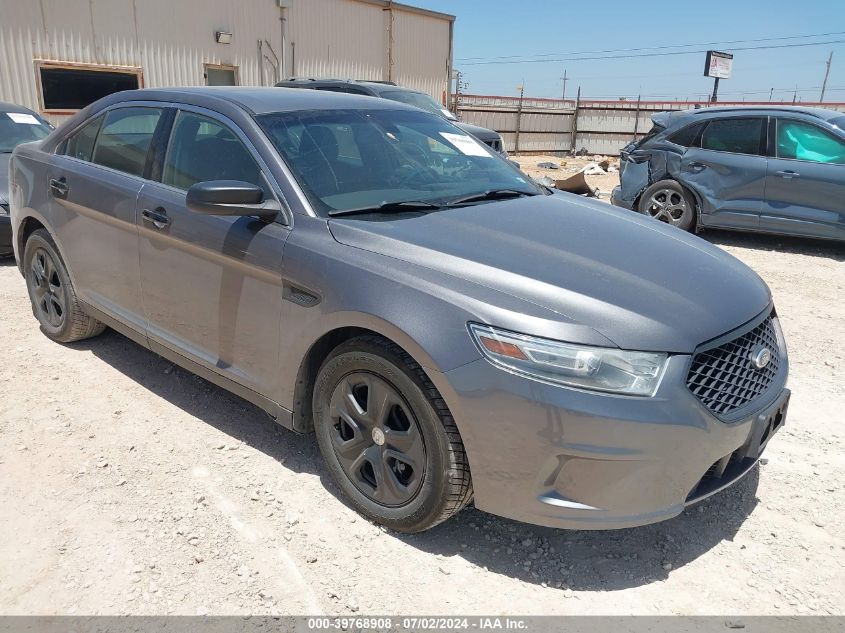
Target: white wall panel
171	40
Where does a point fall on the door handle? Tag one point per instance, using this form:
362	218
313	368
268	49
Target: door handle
788	174
158	217
59	188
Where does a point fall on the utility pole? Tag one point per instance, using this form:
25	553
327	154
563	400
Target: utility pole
563	93
795	94
457	92
518	118
573	144
826	73
771	92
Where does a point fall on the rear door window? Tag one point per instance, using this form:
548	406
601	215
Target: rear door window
737	136
803	141
125	138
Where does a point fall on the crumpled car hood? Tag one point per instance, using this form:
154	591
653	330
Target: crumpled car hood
641	284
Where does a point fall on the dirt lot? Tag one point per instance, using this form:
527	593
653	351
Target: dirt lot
571	165
131	486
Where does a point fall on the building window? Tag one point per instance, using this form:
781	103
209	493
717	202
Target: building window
72	87
217	75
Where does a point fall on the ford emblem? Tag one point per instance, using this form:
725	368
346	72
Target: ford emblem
761	356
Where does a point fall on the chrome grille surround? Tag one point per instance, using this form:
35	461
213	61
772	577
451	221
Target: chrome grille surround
724	378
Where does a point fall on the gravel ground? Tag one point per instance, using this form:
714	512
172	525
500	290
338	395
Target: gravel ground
129	486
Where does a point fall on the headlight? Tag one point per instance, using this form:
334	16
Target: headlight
595	368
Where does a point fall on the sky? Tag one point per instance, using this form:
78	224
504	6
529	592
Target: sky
485	30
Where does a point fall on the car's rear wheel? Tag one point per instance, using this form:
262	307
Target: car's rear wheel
388	438
667	201
51	292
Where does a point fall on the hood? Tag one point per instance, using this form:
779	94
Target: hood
481	133
4	177
642	284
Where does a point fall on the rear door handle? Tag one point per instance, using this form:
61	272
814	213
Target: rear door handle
788	174
158	217
59	187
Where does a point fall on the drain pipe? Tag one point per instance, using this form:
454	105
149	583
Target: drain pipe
284	5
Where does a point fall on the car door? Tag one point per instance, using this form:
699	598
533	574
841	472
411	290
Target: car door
727	169
211	285
94	183
805	182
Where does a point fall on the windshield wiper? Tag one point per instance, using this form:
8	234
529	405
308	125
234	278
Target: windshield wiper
386	207
492	194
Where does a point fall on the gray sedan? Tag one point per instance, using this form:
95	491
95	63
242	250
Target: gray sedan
372	273
17	125
763	169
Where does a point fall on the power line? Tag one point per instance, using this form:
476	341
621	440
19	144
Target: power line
655	48
663	54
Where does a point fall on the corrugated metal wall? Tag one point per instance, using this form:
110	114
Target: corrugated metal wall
170	40
336	38
603	127
421	53
349	39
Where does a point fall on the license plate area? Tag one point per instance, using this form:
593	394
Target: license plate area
766	424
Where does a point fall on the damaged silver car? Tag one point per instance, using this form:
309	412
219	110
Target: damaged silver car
767	169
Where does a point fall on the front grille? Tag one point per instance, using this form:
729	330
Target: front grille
724	378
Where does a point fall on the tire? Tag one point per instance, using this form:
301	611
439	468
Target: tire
373	452
669	202
51	292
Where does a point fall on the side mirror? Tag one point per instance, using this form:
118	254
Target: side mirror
230	197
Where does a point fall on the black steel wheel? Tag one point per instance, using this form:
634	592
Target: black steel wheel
51	292
387	437
377	439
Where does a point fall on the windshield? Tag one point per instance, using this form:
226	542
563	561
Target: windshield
349	159
418	100
20	127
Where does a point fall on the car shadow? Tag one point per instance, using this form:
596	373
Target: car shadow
564	559
239	419
601	560
781	243
7	261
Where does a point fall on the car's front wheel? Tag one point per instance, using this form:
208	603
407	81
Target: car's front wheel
51	292
667	201
388	438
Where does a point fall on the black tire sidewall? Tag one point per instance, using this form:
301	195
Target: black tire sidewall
36	241
688	221
432	495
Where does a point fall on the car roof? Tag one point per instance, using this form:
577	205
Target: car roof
258	100
819	113
12	107
375	86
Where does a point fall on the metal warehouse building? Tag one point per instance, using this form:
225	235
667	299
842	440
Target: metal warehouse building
58	55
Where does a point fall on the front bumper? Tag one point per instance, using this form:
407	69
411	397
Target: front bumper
5	235
567	458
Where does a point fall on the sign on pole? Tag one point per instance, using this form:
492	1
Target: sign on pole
718	65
